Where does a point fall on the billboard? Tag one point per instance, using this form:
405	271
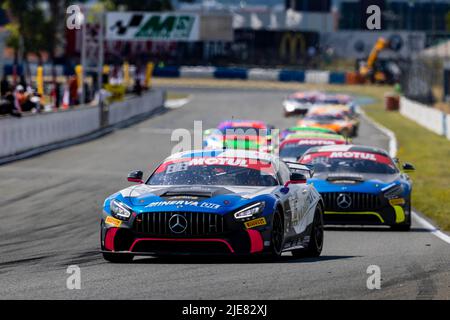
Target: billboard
155	26
358	44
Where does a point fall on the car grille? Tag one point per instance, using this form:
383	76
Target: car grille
198	224
358	201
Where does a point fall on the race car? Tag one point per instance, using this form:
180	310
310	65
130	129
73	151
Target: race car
292	148
352	113
330	98
296	129
317	135
228	202
331	119
299	102
361	185
239	134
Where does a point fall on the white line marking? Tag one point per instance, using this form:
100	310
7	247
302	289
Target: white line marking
427	225
393	152
176	103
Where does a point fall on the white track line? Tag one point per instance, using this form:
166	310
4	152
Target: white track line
176	103
393	152
427	225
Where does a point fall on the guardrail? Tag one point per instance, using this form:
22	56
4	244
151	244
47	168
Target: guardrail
305	76
46	131
432	119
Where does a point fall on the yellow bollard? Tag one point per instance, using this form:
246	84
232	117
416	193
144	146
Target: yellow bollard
40	80
126	74
106	69
79	73
148	74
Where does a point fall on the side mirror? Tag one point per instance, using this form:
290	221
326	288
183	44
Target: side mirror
408	167
135	176
295	178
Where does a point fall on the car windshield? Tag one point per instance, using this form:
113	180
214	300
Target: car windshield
300	100
324	117
198	173
294	150
243	131
350	162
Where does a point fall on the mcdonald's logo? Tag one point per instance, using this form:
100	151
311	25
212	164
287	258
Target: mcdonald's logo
290	42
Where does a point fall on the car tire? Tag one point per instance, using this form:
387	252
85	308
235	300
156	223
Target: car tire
118	257
277	236
315	245
345	133
401	227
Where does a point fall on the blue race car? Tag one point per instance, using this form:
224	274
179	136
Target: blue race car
215	202
361	185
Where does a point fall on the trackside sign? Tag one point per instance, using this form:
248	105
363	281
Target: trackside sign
137	26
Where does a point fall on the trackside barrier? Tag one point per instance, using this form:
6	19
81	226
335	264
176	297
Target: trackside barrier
432	119
41	131
307	76
33	131
134	106
313	76
447	122
263	74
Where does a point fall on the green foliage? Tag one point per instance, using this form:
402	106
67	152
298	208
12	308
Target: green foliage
34	27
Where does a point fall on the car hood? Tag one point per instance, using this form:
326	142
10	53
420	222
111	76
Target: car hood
351	182
218	199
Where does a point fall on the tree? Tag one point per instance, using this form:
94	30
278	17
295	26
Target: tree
27	27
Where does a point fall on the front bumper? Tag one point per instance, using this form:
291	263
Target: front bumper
385	212
236	239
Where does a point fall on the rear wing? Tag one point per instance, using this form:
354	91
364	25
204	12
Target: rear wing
306	169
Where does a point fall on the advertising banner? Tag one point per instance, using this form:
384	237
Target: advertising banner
155	26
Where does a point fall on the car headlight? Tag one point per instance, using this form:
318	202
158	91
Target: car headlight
289	106
393	191
250	211
120	210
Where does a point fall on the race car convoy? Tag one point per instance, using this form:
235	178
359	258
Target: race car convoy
238	196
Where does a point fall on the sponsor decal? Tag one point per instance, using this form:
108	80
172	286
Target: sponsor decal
183	164
255	223
398	201
353	155
207	205
348	155
316	142
113	221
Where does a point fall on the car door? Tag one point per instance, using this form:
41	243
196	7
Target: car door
294	201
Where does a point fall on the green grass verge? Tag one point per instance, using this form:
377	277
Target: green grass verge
430	153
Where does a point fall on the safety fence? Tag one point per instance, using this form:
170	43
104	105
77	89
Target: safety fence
432	119
305	76
35	131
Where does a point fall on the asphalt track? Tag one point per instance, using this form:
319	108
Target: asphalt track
49	219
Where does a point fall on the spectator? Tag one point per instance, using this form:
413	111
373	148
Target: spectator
73	90
137	86
5	86
20	95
